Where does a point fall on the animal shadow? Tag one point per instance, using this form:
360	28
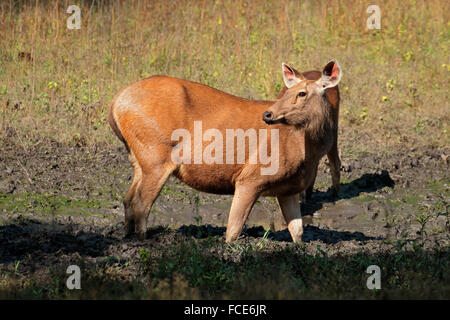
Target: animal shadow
23	237
311	233
368	182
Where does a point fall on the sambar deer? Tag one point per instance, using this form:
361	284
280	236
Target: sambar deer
333	97
298	126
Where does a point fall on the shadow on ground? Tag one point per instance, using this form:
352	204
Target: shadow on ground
368	182
311	233
23	236
26	237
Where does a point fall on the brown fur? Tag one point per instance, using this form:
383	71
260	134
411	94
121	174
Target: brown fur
146	113
333	98
116	130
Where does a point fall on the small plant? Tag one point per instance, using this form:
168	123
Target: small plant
52	85
408	56
197	217
144	259
37	292
198	220
266	234
422	218
390	84
16	268
261	243
364	113
420	126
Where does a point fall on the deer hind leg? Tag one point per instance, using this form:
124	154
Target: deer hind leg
243	201
307	194
145	195
129	216
290	208
335	164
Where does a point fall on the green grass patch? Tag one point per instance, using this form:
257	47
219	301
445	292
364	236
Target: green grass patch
363	199
439	186
44	203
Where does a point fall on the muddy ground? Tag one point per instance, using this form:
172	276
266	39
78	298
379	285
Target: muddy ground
61	205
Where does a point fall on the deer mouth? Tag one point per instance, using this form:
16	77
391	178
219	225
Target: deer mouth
269	118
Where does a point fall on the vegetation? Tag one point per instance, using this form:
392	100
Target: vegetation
209	269
58	83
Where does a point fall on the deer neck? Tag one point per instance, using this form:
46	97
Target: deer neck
319	131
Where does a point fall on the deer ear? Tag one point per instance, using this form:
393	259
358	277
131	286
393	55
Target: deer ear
331	75
290	79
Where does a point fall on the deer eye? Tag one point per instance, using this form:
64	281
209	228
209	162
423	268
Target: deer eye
302	94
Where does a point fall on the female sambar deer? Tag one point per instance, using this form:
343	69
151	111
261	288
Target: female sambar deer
333	97
298	129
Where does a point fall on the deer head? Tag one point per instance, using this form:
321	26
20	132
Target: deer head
304	104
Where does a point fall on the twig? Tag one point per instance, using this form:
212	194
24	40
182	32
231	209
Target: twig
26	172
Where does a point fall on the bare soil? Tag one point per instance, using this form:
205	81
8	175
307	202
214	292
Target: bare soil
61	204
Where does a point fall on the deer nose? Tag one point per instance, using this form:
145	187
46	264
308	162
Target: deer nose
267	117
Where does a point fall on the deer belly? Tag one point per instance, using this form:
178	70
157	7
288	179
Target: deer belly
208	178
295	184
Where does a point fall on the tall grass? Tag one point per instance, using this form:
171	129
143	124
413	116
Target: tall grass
394	90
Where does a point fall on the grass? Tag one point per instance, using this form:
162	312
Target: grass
195	269
45	204
58	83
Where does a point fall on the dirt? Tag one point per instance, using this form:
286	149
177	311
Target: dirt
62	203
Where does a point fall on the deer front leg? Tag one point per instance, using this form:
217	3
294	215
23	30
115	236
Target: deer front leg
303	196
290	207
243	201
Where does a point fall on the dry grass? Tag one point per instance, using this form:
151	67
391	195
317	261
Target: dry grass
58	83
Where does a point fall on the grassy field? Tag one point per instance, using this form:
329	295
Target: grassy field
58	83
63	173
202	269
